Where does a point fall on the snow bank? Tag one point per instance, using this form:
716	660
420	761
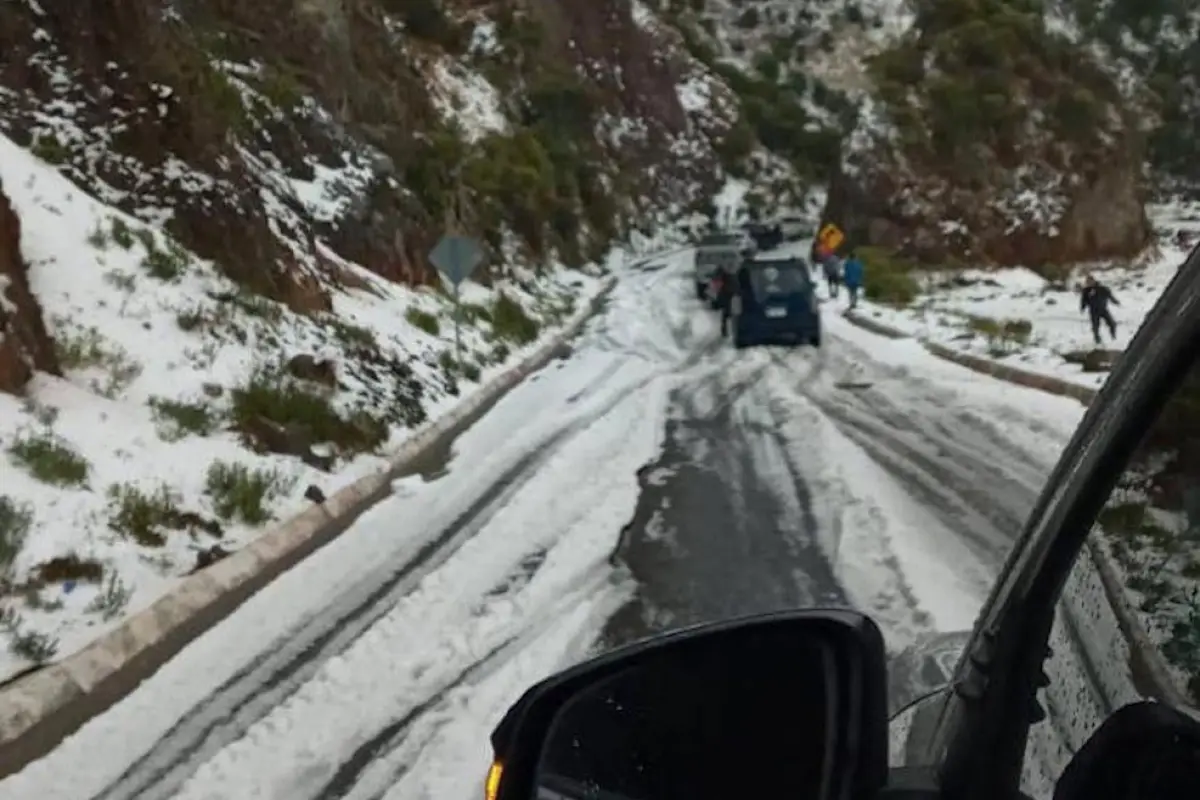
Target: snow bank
968	310
116	474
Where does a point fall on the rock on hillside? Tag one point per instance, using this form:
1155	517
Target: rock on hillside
257	130
991	136
24	344
1001	131
1153	50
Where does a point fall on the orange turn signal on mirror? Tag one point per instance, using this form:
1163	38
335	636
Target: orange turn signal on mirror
491	787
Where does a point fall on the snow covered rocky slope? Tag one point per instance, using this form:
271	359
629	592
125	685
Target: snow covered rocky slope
213	240
1033	321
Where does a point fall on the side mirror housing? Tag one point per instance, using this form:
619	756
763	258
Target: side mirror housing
791	704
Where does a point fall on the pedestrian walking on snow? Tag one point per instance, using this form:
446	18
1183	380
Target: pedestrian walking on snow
1094	298
852	276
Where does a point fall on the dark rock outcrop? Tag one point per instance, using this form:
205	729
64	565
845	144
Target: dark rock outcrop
25	345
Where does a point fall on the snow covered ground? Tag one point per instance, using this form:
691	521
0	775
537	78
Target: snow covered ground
532	506
968	311
116	474
381	663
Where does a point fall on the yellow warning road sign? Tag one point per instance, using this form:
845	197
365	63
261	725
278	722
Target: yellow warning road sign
831	236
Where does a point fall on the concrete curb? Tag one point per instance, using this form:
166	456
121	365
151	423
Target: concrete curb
42	708
1150	672
986	366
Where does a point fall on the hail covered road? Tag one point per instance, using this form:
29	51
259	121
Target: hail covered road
653	477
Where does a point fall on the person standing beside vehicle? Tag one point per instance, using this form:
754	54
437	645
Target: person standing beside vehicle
852	276
1094	298
724	284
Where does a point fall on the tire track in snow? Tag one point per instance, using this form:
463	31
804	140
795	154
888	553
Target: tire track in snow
250	695
397	738
263	685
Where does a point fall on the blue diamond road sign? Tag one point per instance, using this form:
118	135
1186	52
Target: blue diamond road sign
456	257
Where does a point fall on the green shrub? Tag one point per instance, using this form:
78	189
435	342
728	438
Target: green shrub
48	148
749	19
966	73
50	459
147	517
296	408
423	320
777	115
242	494
121	233
112	598
32	645
1002	335
510	322
84	348
16	520
427	19
176	419
888	278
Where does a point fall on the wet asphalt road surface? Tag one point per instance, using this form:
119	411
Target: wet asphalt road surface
704	544
727	523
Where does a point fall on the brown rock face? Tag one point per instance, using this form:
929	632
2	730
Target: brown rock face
25	345
175	128
603	32
1108	218
1104	218
635	74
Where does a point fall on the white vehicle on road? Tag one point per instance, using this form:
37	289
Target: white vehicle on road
795	227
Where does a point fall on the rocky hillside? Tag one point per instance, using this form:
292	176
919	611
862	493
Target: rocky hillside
214	221
547	119
1154	50
977	131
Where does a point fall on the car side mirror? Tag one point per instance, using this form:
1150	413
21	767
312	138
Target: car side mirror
790	704
1142	750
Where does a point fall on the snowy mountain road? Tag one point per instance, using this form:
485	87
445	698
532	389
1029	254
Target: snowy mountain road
653	478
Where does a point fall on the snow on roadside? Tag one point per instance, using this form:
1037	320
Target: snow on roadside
117	473
896	561
1020	318
605	406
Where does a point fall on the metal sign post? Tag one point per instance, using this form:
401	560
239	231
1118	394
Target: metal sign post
456	258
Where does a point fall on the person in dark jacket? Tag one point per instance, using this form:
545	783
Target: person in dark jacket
1094	298
726	288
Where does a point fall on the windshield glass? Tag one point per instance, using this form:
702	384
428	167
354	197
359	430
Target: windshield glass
449	387
777	279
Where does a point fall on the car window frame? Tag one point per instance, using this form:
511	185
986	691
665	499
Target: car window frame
1007	644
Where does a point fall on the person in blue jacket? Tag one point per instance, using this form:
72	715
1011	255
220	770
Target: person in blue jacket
852	277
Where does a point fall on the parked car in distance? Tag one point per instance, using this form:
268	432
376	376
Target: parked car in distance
794	227
775	303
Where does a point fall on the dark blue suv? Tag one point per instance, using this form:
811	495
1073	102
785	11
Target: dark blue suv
776	303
